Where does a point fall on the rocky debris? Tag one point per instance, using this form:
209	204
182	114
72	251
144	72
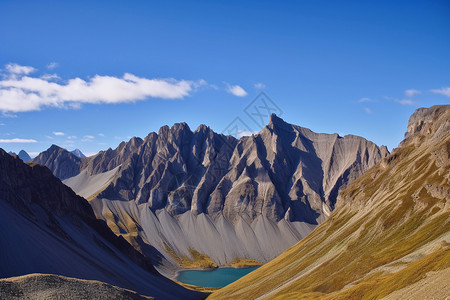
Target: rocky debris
47	286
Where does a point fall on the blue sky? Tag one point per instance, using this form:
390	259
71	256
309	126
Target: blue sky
89	74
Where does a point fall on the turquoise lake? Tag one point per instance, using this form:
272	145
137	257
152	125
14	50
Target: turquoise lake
213	278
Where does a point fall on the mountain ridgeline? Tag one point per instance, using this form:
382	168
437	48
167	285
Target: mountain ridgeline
203	194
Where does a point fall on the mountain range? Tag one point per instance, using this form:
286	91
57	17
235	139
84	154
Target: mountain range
23	155
380	222
389	235
204	199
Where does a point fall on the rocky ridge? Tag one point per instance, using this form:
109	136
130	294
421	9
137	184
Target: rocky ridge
180	189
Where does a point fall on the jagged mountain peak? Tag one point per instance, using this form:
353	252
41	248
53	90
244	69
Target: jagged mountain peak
78	153
276	122
61	162
23	155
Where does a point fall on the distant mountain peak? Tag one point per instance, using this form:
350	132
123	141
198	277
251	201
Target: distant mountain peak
78	153
24	156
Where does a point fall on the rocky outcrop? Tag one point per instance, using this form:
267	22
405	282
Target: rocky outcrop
46	228
271	188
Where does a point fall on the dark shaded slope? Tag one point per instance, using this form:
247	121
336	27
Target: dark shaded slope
46	228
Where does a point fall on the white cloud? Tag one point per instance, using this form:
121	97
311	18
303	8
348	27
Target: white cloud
58	133
87	138
411	93
2	124
443	91
8	115
365	99
241	133
236	90
89	153
17	140
33	154
52	65
367	110
404	101
25	93
50	77
259	86
16	69
101	134
72	137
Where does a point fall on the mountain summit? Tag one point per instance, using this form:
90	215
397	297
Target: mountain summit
182	191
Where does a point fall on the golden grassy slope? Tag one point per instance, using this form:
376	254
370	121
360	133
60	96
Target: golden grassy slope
391	228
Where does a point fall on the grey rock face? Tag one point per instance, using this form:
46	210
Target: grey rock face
61	162
267	187
283	168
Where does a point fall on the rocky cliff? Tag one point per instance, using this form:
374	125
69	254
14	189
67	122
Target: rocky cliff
181	190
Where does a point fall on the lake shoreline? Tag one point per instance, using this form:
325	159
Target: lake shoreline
212	277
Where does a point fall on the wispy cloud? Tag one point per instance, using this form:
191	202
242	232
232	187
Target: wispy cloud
17	140
365	99
19	93
50	77
259	86
404	101
367	110
88	138
241	133
101	134
411	93
52	65
236	90
443	91
15	69
33	154
58	133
